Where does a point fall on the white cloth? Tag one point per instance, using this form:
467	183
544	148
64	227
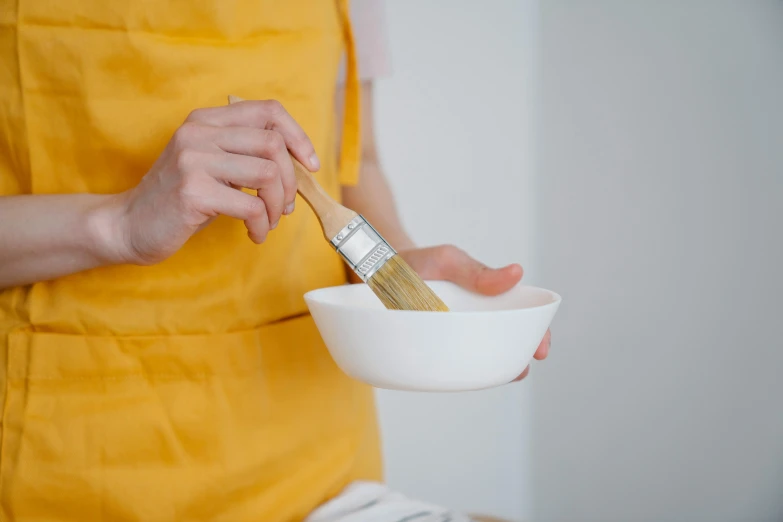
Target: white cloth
372	43
373	502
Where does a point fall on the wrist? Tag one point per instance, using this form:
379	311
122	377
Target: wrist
105	229
401	242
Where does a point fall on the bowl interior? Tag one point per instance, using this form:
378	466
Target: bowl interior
457	299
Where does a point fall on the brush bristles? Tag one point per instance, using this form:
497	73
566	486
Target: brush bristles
400	288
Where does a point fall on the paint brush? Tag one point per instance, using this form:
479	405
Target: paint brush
370	256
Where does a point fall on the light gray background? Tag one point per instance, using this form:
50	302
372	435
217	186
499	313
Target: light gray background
630	155
660	196
454	126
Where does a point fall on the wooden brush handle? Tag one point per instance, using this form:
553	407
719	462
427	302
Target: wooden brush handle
332	215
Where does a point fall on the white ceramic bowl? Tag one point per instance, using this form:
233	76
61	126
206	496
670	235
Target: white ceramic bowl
483	342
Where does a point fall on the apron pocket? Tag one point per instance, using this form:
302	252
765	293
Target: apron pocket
166	427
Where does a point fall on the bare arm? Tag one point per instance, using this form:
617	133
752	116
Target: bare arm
44	237
216	150
372	196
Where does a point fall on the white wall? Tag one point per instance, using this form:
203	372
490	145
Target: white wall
661	222
454	125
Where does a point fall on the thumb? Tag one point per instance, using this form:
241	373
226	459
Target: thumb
449	263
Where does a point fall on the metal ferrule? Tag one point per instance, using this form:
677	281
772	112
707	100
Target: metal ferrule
362	247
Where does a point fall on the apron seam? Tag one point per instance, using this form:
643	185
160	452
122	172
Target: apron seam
2	447
32	329
192	39
3	431
170	376
22	97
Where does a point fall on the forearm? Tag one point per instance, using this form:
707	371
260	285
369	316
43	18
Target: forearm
43	237
372	196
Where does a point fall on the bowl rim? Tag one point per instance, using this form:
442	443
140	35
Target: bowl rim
555	302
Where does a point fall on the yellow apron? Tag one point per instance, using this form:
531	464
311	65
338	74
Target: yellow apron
199	388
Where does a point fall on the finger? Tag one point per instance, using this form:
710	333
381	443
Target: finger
257	225
458	267
265	144
250	172
543	349
262	114
425	261
495	281
523	374
235	203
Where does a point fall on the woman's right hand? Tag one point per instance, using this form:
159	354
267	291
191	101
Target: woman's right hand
211	156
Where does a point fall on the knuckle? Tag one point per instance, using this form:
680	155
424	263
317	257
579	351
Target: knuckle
273	107
255	208
447	253
186	160
267	171
186	133
195	115
275	141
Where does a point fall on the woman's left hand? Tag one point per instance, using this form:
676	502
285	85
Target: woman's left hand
449	263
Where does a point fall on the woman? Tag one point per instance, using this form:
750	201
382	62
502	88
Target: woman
157	363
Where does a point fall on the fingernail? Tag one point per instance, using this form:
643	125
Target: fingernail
274	225
289	208
314	161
